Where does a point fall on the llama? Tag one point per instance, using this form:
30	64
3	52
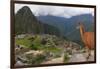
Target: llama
87	38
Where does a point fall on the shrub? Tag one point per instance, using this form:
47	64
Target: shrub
66	57
36	59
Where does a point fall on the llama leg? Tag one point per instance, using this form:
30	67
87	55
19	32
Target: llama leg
89	54
86	53
85	50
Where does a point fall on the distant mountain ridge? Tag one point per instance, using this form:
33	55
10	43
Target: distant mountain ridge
68	25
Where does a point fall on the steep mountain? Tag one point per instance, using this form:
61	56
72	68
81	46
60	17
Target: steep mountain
26	22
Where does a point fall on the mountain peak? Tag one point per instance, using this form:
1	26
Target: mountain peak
25	8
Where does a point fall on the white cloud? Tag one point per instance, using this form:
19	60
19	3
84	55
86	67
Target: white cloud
56	10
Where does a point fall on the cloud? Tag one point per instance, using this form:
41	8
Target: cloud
56	10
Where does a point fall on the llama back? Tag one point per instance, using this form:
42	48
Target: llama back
89	39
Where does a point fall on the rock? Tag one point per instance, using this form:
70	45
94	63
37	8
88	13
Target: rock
77	58
54	61
91	58
34	52
19	63
81	57
20	36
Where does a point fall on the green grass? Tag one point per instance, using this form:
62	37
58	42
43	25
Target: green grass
37	45
29	43
52	49
25	42
66	57
35	59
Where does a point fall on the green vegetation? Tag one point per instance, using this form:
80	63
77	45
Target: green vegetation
35	59
66	57
50	46
34	42
24	41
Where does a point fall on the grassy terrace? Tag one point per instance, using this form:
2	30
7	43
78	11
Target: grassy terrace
36	43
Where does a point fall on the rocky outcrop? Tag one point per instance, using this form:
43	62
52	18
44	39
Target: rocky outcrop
81	57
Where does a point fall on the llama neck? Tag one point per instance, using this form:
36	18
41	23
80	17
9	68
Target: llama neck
82	31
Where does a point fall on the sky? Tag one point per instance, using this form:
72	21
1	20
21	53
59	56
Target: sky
61	11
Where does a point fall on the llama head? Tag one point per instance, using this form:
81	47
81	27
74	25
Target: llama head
78	25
